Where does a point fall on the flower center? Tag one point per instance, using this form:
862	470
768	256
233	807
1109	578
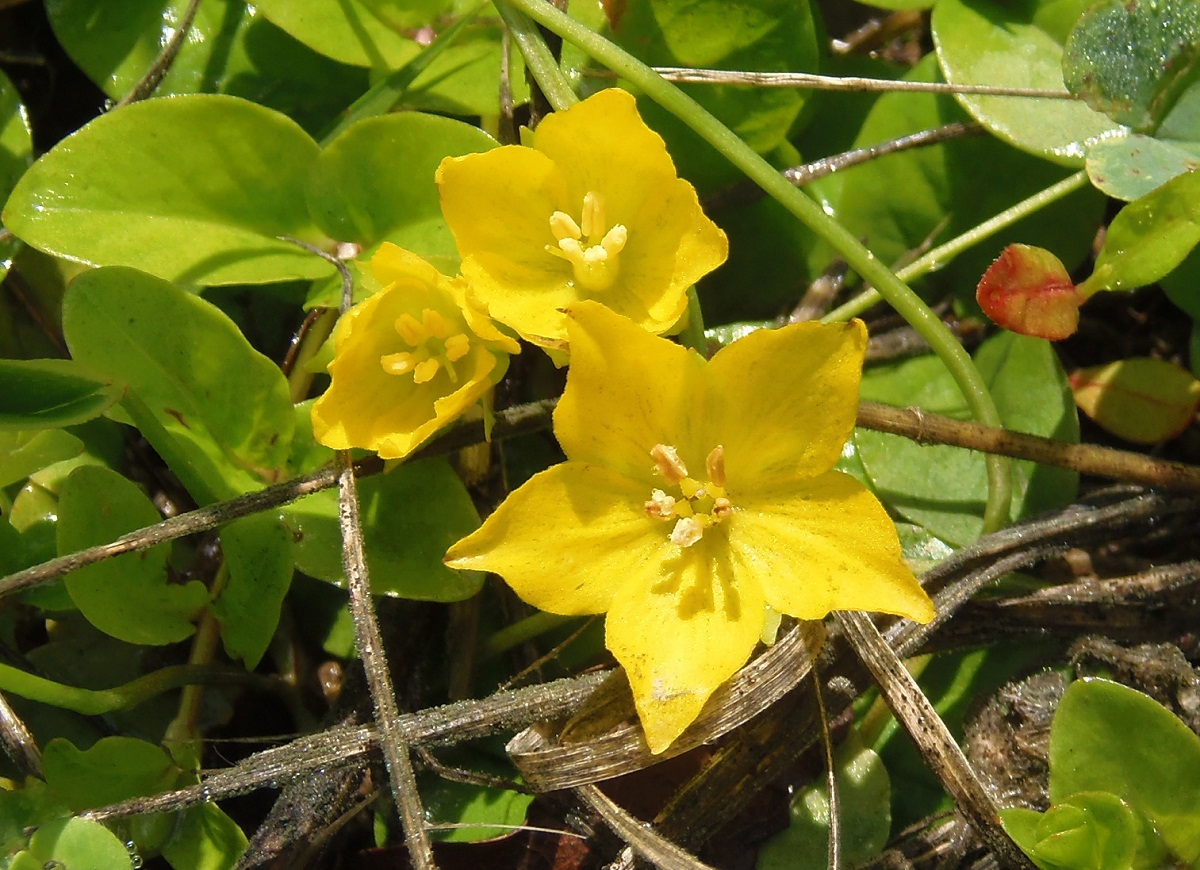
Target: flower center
432	347
699	505
590	246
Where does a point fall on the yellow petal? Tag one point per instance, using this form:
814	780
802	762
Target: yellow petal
824	544
683	636
783	402
569	539
628	391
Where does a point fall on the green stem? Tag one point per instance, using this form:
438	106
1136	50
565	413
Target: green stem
895	291
96	702
521	631
940	257
539	60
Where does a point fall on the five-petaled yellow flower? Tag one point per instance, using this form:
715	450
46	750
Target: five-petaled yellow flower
694	495
408	360
591	209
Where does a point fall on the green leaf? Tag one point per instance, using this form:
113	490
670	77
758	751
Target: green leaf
1149	237
864	795
761	35
77	844
375	183
224	406
114	769
1157	773
206	839
23	453
349	31
49	393
1144	400
426	499
194	189
127	596
1129	167
1018	44
473	807
258	559
1088	831
1133	61
943	488
16	153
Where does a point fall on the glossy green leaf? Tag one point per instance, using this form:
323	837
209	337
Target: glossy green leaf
1142	399
1134	61
763	35
1129	167
206	839
1157	774
426	500
896	203
34	803
114	769
1018	43
224	407
77	844
127	596
1088	831
1149	237
194	189
943	488
472	809
349	31
230	49
49	393
258	559
864	796
16	153
23	453
375	183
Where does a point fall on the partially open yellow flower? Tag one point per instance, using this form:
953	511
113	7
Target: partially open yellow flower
694	495
408	360
590	208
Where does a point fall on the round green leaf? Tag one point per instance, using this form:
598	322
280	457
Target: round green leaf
113	769
226	404
1129	167
48	393
16	153
472	808
77	844
1133	61
1089	831
23	453
258	558
193	189
1019	44
375	183
944	488
129	596
348	31
206	839
425	499
1111	738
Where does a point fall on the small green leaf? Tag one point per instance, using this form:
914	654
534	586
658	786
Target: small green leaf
1149	237
220	401
426	499
471	808
49	393
34	803
1088	831
1129	167
75	844
127	596
1111	738
943	488
1133	61
16	153
1028	290
114	769
349	31
194	189
1143	400
23	453
1018	44
258	558
206	839
375	183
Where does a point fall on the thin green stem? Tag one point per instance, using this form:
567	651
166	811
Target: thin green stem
895	291
940	257
525	629
539	59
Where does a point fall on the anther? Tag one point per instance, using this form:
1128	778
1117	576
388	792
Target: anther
715	466
668	463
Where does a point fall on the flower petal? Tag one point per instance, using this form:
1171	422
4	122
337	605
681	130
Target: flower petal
682	637
783	401
568	539
824	544
627	391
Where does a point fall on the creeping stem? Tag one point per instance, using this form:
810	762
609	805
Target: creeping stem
892	289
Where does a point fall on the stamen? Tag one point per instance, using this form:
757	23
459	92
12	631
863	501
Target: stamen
434	324
687	532
593	214
660	505
398	363
457	346
715	465
614	240
668	463
425	371
564	227
410	330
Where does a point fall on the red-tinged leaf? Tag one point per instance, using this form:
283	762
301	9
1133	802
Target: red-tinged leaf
1027	290
1141	400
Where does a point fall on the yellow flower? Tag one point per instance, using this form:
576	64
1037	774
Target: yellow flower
407	360
694	495
592	210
